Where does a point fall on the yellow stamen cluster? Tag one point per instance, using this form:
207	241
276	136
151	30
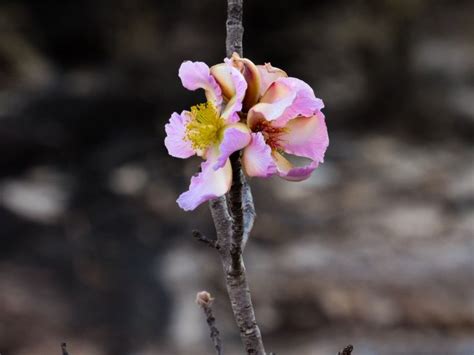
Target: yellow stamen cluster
205	126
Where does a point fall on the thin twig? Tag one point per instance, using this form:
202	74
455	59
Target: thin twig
205	300
63	348
346	351
212	243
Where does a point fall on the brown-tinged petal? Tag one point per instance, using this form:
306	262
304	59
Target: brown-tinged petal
223	76
252	77
268	74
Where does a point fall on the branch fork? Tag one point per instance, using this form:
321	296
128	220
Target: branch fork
234	216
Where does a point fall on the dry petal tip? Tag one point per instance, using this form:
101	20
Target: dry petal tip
204	299
252	76
271	69
235	56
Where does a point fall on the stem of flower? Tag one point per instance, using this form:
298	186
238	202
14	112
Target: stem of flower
235	29
204	300
233	217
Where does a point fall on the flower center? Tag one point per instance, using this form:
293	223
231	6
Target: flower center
272	135
205	126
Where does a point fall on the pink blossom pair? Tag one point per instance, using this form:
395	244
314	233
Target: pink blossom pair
254	108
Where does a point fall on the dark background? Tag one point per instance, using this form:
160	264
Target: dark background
376	249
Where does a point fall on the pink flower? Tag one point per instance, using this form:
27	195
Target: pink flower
254	108
285	118
210	130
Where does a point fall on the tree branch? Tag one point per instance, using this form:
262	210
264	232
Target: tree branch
222	220
236	208
63	349
212	243
346	351
235	30
249	212
234	216
205	300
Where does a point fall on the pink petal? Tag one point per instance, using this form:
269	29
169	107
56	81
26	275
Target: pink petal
305	103
257	158
300	173
274	103
252	77
286	99
306	137
196	75
175	140
221	74
287	171
235	103
207	185
268	75
235	137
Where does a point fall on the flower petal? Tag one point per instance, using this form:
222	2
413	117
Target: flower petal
221	74
268	75
196	75
252	77
175	140
257	158
287	171
235	137
207	185
286	99
235	103
306	137
276	100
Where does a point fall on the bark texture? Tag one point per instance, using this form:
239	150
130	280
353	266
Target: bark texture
235	29
205	300
234	216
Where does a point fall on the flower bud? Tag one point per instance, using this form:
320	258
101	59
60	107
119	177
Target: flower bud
204	299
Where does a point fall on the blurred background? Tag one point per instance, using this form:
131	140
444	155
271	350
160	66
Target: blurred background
375	250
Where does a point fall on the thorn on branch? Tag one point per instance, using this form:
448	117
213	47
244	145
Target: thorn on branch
204	300
63	348
346	351
202	238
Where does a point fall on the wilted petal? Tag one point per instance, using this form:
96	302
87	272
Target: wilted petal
175	140
196	75
268	75
257	158
223	77
207	185
306	137
286	99
287	171
281	99
235	137
252	77
235	103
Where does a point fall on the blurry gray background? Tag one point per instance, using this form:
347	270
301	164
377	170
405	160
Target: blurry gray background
376	249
